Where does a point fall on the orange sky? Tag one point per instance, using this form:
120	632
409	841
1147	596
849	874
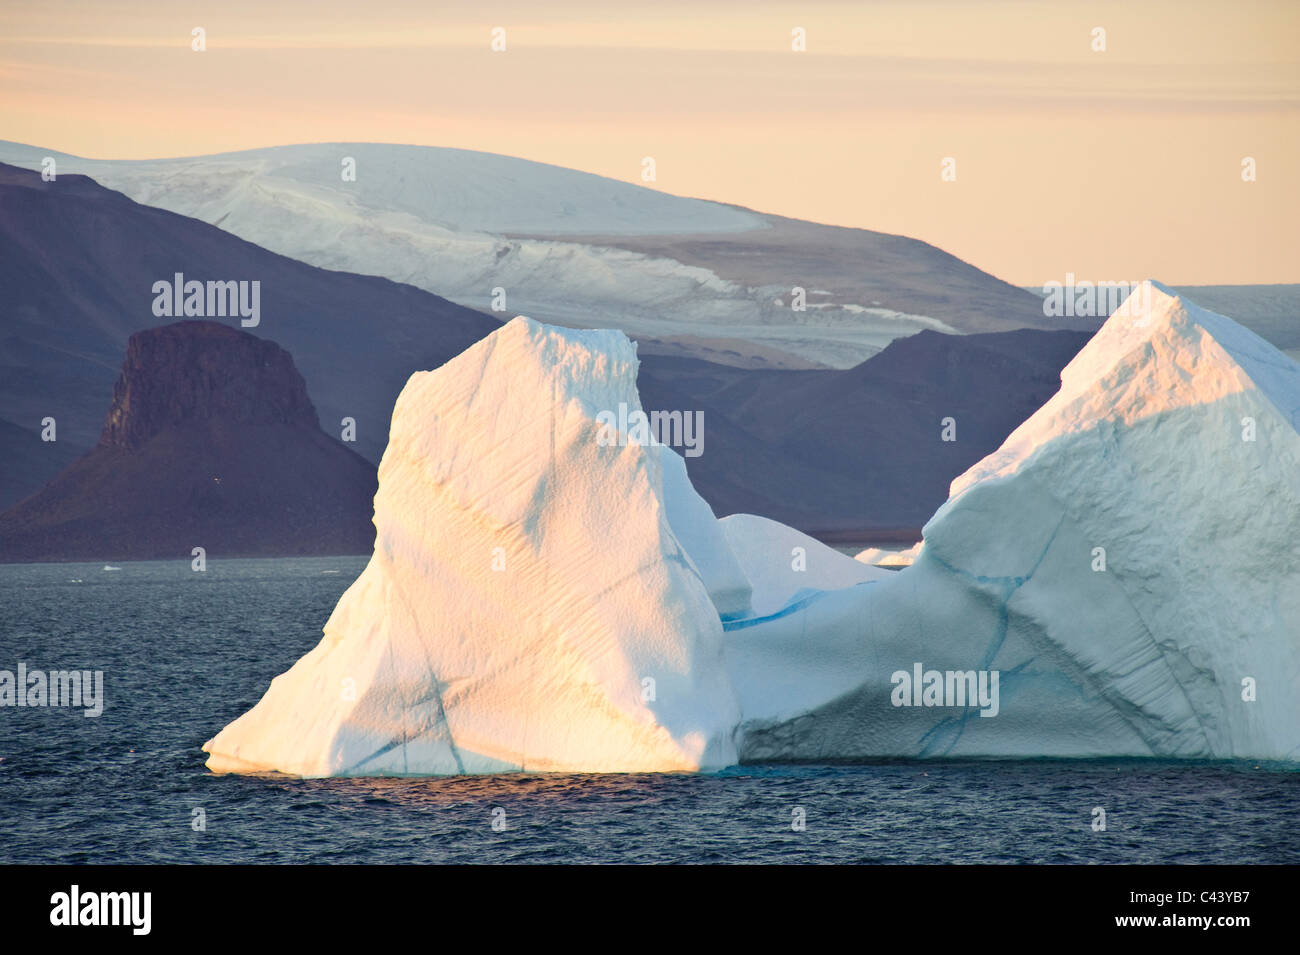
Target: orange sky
1116	165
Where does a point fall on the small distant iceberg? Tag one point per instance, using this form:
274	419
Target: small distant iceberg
887	557
542	600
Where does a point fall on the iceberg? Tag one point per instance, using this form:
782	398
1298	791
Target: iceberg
1120	578
889	556
530	604
1127	562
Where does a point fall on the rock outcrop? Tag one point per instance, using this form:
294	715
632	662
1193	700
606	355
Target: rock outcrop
212	442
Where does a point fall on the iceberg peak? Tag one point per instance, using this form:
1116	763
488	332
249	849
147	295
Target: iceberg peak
1157	354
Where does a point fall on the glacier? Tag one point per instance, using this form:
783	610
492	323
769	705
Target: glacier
461	224
1124	571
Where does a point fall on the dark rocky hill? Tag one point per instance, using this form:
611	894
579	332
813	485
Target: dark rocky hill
212	442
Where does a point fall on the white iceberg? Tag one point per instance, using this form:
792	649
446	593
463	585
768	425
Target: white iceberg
1122	577
890	556
1128	561
530	604
783	564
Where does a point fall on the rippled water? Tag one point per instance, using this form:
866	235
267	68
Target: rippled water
183	653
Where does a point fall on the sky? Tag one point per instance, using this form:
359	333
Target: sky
1115	164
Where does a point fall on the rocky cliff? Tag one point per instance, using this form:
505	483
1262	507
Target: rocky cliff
212	442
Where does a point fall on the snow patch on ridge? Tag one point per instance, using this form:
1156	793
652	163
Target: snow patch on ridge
455	223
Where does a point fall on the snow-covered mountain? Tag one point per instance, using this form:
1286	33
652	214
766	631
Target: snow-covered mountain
567	247
78	263
1122	577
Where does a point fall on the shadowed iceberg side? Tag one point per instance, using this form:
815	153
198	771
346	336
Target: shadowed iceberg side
1128	561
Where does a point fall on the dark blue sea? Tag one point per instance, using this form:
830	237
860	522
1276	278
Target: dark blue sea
183	653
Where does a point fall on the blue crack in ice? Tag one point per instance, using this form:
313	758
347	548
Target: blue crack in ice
801	598
1010	585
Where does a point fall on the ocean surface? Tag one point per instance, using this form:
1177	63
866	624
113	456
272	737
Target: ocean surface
183	653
